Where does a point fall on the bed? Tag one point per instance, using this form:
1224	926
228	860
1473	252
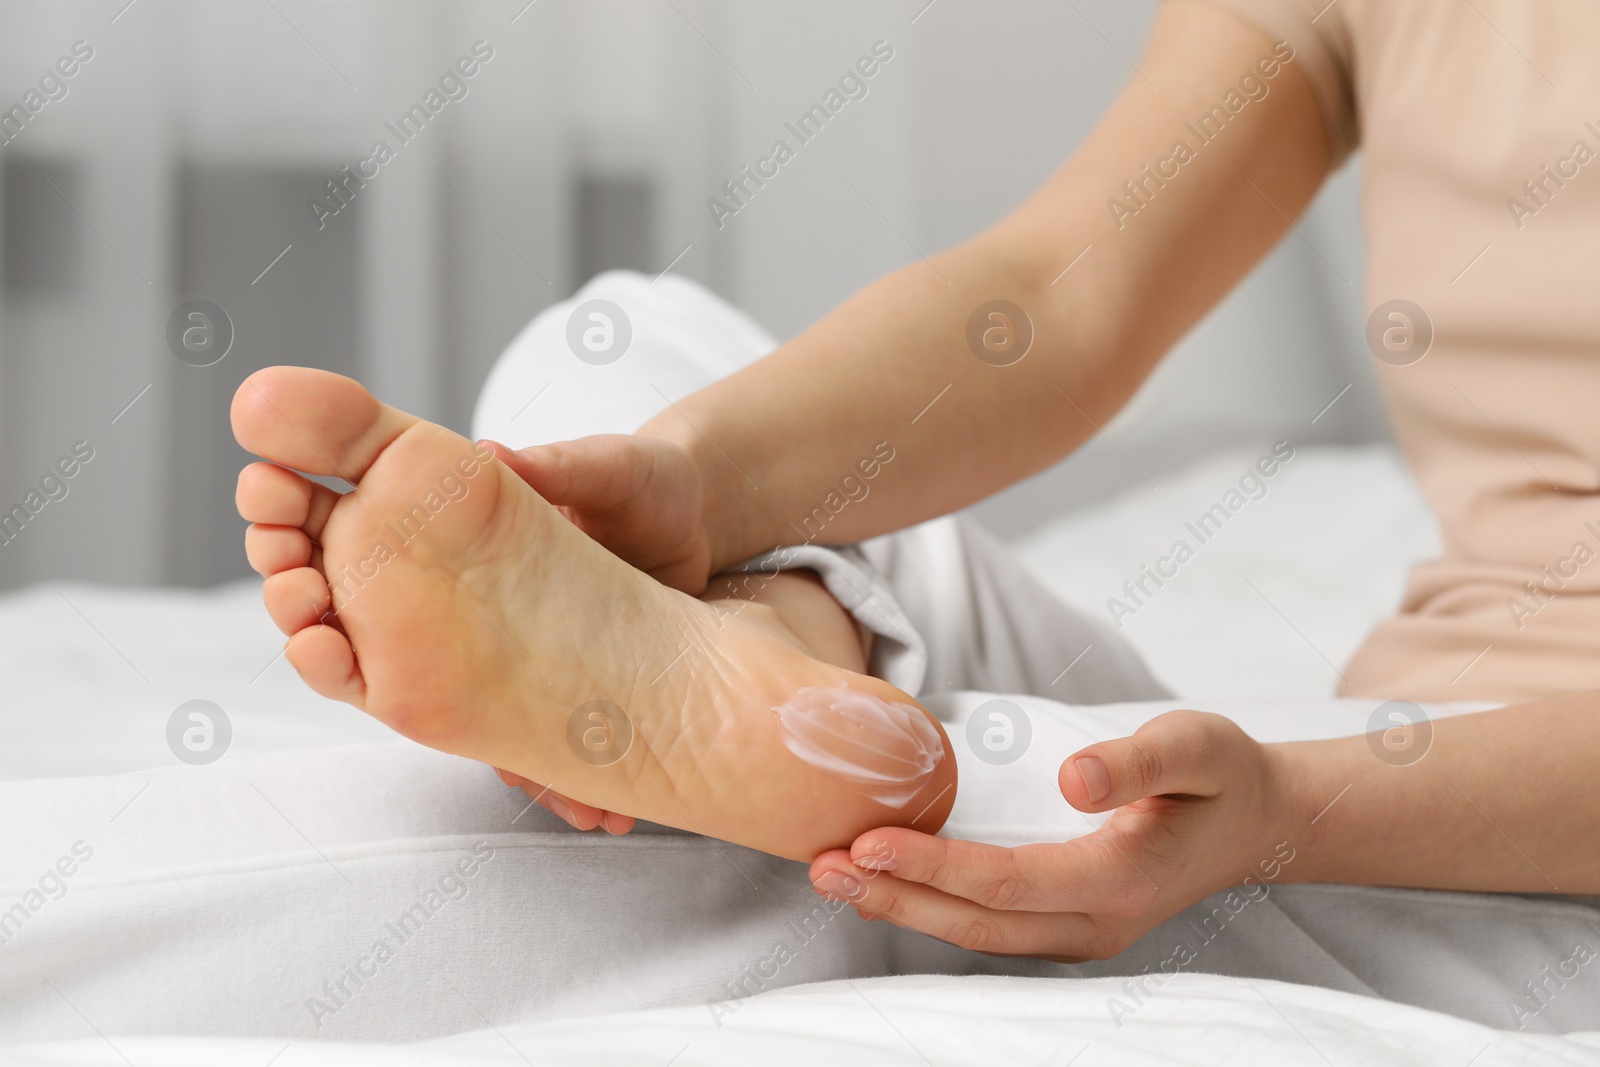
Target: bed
219	960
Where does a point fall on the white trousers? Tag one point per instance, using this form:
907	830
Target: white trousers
390	892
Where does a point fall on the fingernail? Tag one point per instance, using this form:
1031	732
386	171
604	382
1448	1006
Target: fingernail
562	809
1096	779
876	861
838	886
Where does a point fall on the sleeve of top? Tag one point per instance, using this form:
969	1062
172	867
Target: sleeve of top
1318	32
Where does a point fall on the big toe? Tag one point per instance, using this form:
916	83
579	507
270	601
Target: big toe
314	421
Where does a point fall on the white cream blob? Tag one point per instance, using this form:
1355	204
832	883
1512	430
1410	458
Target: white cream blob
889	750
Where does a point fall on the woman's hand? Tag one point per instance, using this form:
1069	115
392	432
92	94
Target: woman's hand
643	498
1200	806
579	815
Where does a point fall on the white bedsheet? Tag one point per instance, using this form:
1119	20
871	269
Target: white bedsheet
919	1021
93	673
1328	549
221	900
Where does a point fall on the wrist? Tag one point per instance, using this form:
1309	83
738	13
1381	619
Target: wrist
1316	780
1277	843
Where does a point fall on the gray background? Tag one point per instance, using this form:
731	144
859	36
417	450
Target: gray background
180	163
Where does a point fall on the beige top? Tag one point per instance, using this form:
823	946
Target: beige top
1480	121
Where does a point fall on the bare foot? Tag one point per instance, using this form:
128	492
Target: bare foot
793	606
467	614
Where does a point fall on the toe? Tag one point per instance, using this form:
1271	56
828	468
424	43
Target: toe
271	549
325	661
271	494
296	599
314	421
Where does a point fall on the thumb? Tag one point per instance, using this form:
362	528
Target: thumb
1179	753
597	473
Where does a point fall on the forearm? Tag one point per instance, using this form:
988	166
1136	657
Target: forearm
892	370
1502	801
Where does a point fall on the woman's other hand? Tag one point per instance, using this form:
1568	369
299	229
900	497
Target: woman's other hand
1199	806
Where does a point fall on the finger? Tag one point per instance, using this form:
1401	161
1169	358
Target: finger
609	821
1179	753
600	472
956	920
583	816
1085	875
834	876
540	795
576	814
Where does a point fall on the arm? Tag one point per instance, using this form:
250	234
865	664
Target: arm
674	500
1501	801
799	420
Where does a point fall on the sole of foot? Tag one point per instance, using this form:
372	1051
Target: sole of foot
447	599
